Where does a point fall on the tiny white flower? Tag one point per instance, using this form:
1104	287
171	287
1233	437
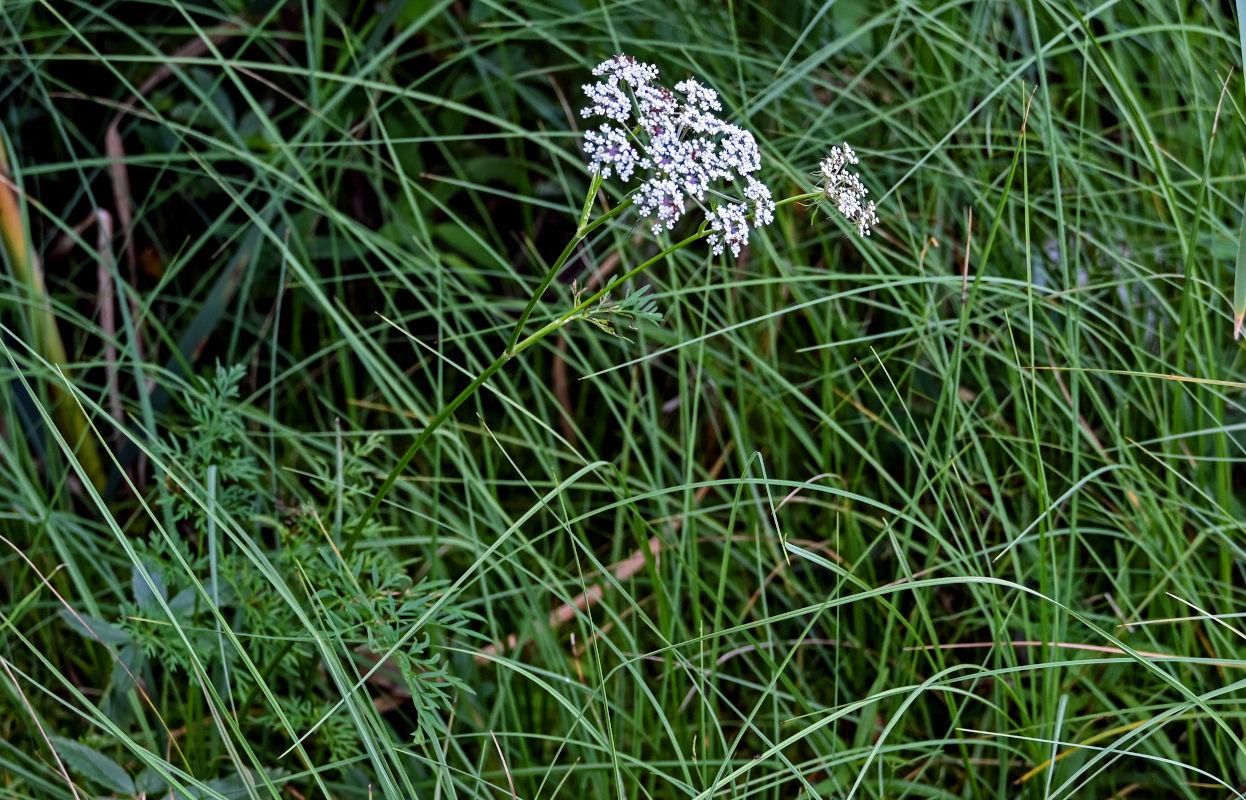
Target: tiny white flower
700	97
729	223
662	197
655	104
763	203
867	219
608	148
627	69
608	101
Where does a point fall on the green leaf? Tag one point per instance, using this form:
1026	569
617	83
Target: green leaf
95	629
93	765
143	594
151	783
233	787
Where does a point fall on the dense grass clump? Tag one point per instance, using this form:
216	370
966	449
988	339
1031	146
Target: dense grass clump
953	510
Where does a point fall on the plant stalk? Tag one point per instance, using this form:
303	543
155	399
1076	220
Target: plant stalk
582	231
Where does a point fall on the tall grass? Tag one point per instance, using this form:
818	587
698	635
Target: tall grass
953	512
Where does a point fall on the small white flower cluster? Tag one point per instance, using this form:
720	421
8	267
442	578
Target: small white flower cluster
684	149
845	189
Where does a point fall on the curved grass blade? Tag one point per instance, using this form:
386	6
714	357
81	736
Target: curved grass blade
44	334
1239	282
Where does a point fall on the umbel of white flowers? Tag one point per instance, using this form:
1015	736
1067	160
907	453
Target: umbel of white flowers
685	155
845	190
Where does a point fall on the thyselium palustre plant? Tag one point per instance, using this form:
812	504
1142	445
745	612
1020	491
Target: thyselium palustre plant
680	158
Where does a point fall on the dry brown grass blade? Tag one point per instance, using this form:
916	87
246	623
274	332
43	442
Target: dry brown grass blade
621	570
1081	420
38	723
114	148
108	311
566	612
1239	283
46	335
505	767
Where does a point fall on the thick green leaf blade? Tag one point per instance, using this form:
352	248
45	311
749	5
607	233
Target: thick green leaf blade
94	629
93	765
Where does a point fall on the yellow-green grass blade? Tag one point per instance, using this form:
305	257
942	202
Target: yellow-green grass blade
42	329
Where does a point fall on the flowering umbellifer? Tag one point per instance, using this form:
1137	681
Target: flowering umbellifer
683	150
685	153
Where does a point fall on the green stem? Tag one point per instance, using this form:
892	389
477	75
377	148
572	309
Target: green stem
419	442
798	198
515	346
584	229
610	287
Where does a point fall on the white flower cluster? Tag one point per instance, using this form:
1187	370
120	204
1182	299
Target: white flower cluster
682	147
845	189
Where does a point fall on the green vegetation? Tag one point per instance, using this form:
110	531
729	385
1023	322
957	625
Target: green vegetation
951	511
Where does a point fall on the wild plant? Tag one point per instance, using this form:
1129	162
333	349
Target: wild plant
675	156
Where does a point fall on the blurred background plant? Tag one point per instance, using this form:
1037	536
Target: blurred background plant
913	516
